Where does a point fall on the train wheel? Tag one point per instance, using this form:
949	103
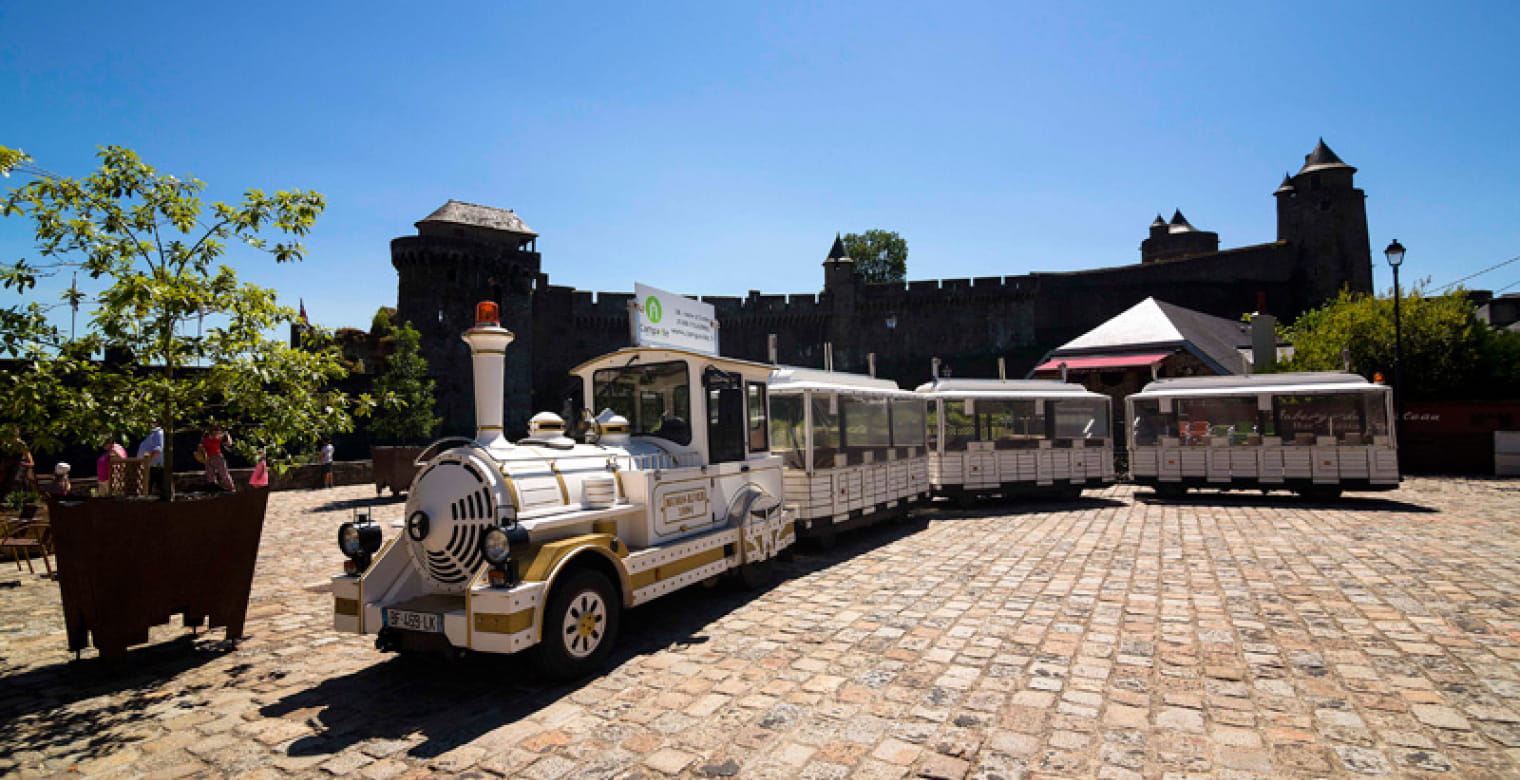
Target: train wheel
757	575
1170	490
580	626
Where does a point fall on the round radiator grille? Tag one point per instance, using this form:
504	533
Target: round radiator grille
450	508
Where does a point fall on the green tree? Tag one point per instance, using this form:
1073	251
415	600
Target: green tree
408	413
1447	351
153	246
879	255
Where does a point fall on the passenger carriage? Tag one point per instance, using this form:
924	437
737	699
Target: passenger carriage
1017	436
1313	433
852	448
540	544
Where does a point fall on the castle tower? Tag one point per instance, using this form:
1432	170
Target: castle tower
1177	238
841	286
1322	217
463	254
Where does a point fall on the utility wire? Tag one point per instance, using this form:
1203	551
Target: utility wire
1480	273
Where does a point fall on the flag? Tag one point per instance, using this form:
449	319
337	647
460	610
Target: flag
304	321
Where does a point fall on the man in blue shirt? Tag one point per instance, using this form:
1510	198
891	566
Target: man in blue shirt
153	445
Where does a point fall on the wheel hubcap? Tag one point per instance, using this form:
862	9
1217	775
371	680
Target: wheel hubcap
585	624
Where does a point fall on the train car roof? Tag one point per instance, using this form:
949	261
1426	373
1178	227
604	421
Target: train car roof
1308	382
1006	388
797	379
670	353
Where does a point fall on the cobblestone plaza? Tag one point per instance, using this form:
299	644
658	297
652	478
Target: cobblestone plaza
1116	636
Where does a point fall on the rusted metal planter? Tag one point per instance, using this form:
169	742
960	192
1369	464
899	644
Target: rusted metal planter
394	467
125	566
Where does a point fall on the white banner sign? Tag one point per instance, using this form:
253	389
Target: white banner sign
664	319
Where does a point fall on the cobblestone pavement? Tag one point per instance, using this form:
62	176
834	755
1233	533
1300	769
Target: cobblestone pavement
1116	636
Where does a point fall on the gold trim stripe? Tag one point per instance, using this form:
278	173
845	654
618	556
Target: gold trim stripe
675	568
489	623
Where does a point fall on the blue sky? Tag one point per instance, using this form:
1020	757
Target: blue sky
718	147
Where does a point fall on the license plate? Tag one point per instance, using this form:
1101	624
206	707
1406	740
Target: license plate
414	621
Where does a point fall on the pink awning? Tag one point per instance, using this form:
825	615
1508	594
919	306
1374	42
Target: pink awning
1103	362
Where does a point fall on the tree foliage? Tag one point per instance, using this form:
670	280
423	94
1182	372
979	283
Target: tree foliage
879	255
1448	353
408	413
153	246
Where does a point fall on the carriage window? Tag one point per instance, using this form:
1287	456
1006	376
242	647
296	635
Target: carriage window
867	422
1149	424
1200	420
1304	418
825	430
788	438
960	428
655	397
932	425
907	422
1078	419
1010	424
755	404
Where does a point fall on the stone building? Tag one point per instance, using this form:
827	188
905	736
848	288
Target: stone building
463	253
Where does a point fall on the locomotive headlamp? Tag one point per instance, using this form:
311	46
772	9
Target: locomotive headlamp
359	541
495	546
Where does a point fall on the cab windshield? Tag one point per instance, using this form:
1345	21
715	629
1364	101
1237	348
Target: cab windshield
655	397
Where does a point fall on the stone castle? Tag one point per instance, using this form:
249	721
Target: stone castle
463	253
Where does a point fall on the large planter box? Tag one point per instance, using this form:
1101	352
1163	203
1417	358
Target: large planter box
394	467
125	566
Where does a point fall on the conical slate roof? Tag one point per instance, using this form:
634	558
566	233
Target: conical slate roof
1159	222
1322	159
460	213
1180	223
837	253
1150	324
1286	186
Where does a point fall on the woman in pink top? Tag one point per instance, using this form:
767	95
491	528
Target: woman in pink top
103	465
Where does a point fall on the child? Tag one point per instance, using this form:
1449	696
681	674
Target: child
326	459
60	486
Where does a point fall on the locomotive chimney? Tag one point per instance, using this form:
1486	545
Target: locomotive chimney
488	342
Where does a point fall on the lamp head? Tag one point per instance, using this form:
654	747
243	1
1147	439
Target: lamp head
1394	253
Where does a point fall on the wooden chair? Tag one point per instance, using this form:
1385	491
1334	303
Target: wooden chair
129	476
29	535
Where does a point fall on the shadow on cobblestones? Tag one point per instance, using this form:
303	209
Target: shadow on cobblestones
348	505
42	699
1285	501
452	703
1008	507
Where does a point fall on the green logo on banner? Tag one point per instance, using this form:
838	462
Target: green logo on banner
652	309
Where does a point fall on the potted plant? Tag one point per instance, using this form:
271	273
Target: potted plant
174	341
406	420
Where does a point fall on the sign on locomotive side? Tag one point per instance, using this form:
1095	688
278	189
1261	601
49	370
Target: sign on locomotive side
664	319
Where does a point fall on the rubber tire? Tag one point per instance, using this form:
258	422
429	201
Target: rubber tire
1170	490
757	575
551	655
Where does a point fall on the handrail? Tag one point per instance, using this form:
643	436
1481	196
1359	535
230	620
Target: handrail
429	452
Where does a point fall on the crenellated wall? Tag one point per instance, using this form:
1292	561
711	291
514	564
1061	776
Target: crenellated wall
967	323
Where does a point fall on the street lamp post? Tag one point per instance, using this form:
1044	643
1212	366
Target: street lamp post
1395	255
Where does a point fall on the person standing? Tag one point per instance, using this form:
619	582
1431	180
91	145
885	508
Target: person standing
326	459
216	460
152	447
25	478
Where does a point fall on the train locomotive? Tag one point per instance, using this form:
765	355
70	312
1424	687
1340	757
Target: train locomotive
539	545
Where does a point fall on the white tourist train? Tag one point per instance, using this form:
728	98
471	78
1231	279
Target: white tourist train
1017	436
540	544
1314	433
852	448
